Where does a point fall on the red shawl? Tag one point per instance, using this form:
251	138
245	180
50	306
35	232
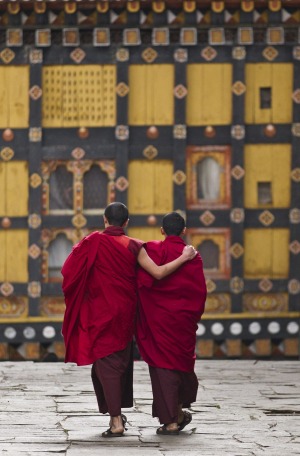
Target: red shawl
169	309
100	294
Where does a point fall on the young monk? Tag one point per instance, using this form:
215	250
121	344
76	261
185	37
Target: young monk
100	293
168	313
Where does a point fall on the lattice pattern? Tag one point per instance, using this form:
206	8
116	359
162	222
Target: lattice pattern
79	96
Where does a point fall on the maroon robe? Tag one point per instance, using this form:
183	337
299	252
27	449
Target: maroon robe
100	294
169	309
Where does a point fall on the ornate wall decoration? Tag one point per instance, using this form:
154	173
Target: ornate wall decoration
216	36
296	129
14	307
237	215
6	223
79	221
236	285
150	152
275	35
295	247
122	132
179	177
207	218
35	180
36	56
180	55
271	302
35	92
265	285
34	251
209	53
210	285
149	55
238	88
43	37
239	53
236	250
7	55
266	218
6	289
296	52
7	153
179	131
101	36
180	91
270	53
295	215
238	131
122	184
122	55
131	37
71	37
14	37
35	134
296	96
78	153
78	55
237	172
122	89
34	221
160	36
294	286
188	36
34	289
218	303
52	306
245	35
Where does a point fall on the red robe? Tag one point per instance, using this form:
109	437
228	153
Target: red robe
169	309
100	294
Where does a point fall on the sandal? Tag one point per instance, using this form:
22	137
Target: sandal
164	431
109	433
187	418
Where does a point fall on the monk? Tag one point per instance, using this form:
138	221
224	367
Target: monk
168	313
99	285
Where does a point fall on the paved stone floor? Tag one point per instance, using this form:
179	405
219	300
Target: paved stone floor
244	408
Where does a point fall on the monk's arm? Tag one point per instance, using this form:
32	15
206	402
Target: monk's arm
159	272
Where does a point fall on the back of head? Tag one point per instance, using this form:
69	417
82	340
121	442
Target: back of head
173	224
116	214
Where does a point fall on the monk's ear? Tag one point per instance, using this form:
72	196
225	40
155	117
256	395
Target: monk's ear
183	231
105	219
162	231
125	224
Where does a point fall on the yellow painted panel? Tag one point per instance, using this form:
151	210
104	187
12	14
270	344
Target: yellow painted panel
4	119
2	188
146	234
282	84
209	94
151	98
278	77
281	169
17	256
137	97
267	163
82	95
3	255
17	80
280	258
150	188
162	79
266	253
14	99
258	253
17	188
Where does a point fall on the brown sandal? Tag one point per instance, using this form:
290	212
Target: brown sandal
109	433
187	418
164	431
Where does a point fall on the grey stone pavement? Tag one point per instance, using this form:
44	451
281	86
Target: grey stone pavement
244	408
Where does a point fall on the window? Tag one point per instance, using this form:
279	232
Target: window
210	253
264	190
265	97
208	177
58	251
71	187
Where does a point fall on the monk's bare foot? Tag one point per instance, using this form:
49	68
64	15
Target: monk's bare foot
172	427
116	424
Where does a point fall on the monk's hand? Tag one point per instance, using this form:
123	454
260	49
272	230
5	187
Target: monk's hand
189	252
